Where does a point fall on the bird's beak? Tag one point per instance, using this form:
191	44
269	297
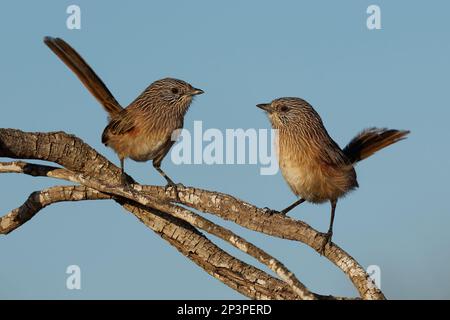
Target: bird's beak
265	106
196	91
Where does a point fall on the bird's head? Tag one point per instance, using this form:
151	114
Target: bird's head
171	94
288	112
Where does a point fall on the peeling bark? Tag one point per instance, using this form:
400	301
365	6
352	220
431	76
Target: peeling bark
159	209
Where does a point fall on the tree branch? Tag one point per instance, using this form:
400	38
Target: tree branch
102	179
40	199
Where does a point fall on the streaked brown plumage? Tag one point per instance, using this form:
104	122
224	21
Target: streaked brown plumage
314	166
143	130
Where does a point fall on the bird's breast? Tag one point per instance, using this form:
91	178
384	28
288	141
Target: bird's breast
303	179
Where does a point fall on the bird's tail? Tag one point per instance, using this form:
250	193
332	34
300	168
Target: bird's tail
84	72
370	141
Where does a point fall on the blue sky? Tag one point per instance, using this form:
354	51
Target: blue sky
240	53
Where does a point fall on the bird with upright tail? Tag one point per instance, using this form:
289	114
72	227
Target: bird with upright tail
144	130
316	169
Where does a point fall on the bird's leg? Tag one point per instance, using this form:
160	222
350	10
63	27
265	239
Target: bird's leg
286	210
292	206
329	234
123	176
122	171
170	183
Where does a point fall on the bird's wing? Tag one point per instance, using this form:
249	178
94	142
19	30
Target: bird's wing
120	124
161	153
330	153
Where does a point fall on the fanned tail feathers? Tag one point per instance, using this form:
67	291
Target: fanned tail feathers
370	141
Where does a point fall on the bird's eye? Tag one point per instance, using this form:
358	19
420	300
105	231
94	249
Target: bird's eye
174	90
284	109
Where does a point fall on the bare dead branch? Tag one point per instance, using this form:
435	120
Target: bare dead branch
40	199
243	245
281	226
102	176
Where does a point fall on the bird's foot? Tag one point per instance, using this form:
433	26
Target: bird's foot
126	182
175	186
326	241
271	211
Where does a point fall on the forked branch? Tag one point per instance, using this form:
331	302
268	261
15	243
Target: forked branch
160	209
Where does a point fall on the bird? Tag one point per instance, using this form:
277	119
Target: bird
316	169
143	130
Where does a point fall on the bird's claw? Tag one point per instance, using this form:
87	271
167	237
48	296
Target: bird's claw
327	240
125	181
175	186
271	211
